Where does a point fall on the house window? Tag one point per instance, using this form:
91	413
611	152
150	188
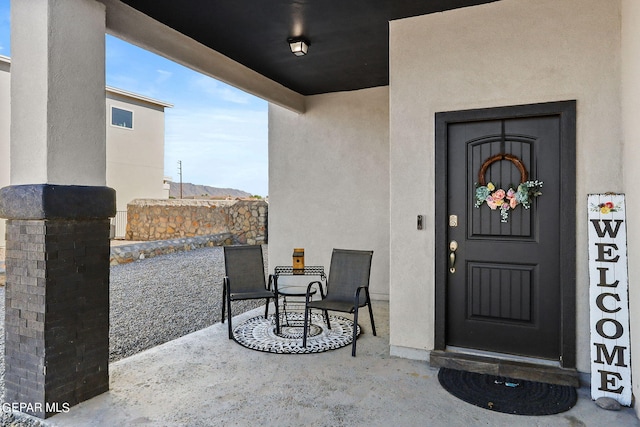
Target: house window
121	118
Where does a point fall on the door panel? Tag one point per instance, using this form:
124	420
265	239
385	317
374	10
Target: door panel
499	291
505	293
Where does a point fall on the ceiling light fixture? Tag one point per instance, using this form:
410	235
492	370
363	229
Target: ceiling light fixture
299	45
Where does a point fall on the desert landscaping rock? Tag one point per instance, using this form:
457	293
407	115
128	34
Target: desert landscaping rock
608	404
126	253
159	299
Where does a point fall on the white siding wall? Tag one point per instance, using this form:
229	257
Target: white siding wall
329	180
504	53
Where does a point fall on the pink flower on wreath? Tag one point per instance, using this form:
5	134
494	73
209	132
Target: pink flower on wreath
499	194
491	202
513	202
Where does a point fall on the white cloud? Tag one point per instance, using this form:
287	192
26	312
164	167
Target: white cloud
219	91
124	81
163	76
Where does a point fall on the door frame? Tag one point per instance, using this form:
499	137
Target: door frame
566	110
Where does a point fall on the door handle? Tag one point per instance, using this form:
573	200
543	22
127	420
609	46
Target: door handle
453	246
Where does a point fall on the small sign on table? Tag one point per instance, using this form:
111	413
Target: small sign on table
298	261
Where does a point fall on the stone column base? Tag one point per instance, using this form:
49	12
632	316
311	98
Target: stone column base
57	295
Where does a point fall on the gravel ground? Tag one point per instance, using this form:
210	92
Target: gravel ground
159	299
153	301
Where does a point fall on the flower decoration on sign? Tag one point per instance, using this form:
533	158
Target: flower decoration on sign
605	208
506	200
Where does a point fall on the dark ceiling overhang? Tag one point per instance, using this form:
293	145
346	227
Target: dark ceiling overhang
349	38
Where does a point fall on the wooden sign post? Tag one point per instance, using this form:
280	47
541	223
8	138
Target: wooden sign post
609	298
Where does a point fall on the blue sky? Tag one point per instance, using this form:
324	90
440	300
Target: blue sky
218	132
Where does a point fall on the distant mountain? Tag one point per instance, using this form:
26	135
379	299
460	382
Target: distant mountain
192	191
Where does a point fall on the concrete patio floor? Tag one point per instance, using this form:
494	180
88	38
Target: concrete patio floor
205	379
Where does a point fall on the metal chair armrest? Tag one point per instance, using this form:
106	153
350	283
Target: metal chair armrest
273	279
308	293
357	297
323	292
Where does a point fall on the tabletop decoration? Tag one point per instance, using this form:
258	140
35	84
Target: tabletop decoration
298	261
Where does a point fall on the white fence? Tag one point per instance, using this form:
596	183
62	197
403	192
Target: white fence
119	225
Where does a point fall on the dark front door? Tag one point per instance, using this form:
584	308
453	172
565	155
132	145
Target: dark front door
504	286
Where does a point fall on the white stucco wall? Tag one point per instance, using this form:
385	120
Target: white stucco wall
135	157
504	53
631	137
329	180
57	92
5	121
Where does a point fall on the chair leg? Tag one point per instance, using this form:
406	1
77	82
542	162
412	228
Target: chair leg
355	331
229	316
326	319
275	302
266	309
224	300
373	325
285	318
305	324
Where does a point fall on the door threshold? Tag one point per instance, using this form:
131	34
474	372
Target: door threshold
503	356
488	363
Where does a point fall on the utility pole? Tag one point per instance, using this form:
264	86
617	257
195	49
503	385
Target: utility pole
180	173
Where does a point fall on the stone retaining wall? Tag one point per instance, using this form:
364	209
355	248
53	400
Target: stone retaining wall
161	219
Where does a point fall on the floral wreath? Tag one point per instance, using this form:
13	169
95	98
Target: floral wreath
509	199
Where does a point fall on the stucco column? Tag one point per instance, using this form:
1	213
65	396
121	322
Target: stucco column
631	145
57	260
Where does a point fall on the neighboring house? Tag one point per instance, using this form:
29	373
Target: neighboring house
135	146
135	149
355	161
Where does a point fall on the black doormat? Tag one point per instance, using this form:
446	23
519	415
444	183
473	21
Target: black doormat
508	395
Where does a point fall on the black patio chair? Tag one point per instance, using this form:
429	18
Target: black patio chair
347	289
245	279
